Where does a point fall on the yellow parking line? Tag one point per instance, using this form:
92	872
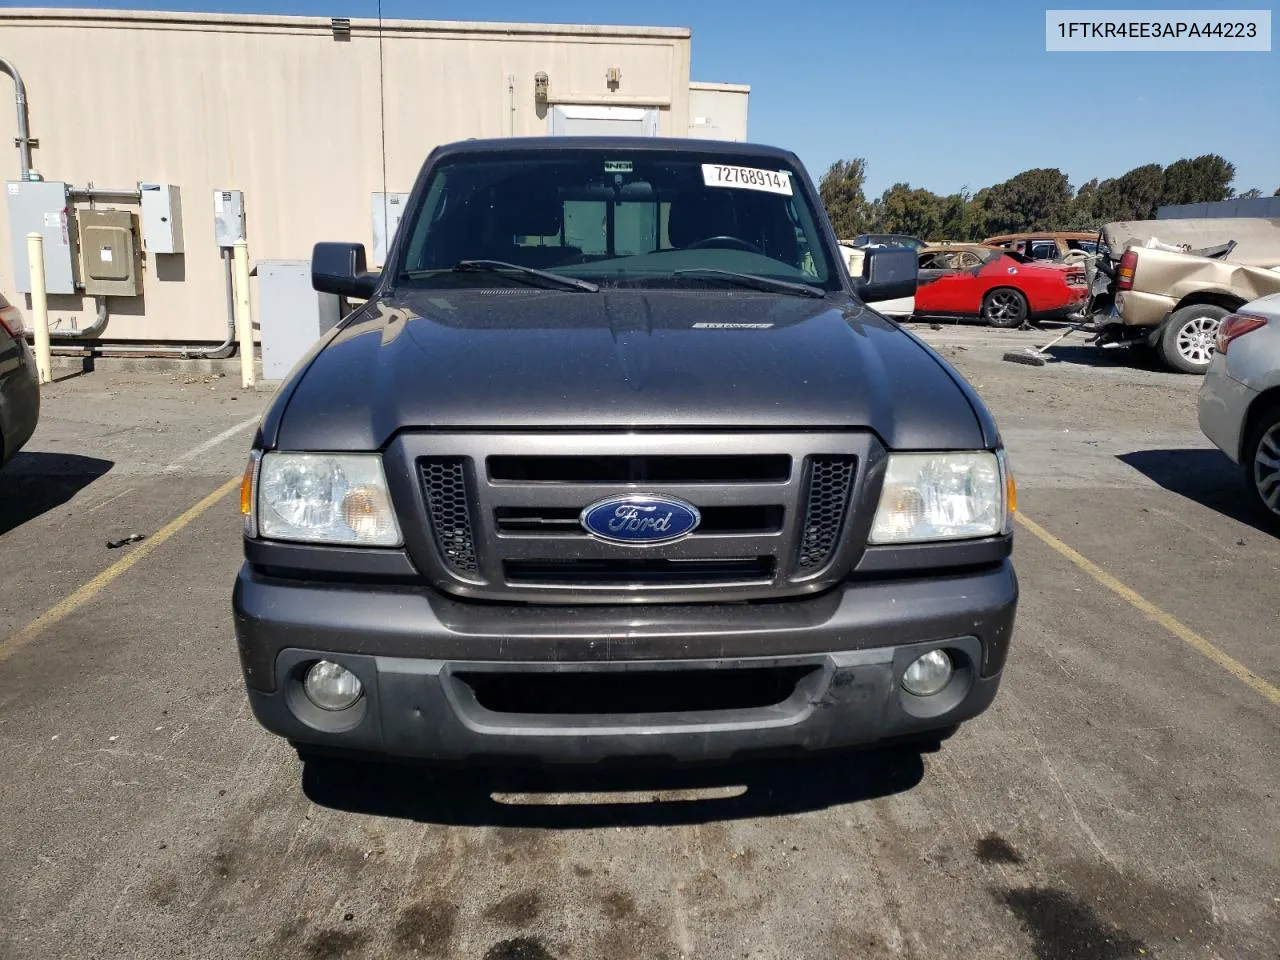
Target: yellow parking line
1178	629
64	607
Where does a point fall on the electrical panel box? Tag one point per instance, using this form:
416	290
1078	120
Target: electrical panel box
111	262
40	206
292	315
228	217
386	210
161	218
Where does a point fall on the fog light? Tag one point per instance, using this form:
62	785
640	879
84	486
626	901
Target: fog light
331	686
928	675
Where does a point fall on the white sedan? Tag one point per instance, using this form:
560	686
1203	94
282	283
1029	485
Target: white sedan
1240	398
901	309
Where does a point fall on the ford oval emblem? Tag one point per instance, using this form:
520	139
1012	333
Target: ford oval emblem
640	520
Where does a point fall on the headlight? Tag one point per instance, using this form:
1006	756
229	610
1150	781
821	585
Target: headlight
325	498
942	496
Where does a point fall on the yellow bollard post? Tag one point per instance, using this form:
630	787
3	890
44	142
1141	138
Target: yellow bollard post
39	307
244	316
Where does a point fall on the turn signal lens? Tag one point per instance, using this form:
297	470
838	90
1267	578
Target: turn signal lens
246	487
248	491
1236	325
11	320
1010	486
1124	275
366	511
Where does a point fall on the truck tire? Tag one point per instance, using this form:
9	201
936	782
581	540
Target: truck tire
1005	308
1262	465
1186	341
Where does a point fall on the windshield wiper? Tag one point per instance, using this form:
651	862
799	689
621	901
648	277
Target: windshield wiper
501	266
755	280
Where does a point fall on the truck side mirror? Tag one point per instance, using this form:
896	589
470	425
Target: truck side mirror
888	273
341	268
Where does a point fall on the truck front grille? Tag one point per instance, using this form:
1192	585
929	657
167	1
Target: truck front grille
624	469
564	520
613	693
829	482
638	572
444	485
500	513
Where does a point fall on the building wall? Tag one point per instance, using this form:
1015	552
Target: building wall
718	111
1255	207
279	108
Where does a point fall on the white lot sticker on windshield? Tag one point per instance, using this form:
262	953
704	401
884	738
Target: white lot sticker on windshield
617	166
747	178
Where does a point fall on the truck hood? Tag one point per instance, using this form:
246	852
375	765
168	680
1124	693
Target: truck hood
620	359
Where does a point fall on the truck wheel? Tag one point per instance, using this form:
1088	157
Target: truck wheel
1262	465
1186	342
1005	308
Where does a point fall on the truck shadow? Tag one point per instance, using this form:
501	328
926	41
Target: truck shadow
632	796
35	483
1206	477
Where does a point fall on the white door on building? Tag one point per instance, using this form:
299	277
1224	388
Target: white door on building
568	120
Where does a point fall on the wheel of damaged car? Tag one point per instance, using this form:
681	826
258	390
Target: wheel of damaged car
1005	307
1262	464
1186	343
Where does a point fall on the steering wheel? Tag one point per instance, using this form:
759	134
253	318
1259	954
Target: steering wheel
730	243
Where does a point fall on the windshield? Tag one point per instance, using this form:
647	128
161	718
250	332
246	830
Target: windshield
641	218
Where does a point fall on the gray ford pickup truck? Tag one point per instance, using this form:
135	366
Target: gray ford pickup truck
614	461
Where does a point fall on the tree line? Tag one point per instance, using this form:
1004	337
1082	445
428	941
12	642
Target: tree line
1039	199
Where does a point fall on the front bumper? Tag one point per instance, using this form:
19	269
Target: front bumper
426	661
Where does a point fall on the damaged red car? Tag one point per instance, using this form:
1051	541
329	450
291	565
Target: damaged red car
1006	290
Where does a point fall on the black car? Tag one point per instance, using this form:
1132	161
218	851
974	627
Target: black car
19	384
615	460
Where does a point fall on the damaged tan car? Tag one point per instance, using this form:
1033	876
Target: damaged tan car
1175	280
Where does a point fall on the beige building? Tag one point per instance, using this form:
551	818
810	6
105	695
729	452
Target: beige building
293	112
718	111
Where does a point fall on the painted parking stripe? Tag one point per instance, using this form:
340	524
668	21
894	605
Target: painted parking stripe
72	602
212	442
1180	630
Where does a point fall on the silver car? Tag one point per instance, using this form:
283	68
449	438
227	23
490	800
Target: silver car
19	385
1240	398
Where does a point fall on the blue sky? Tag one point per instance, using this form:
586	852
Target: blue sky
943	95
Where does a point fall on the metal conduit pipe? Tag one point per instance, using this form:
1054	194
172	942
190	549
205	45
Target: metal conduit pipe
75	333
223	350
133	194
228	346
24	133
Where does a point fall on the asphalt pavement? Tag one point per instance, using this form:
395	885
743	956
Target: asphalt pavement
1120	799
